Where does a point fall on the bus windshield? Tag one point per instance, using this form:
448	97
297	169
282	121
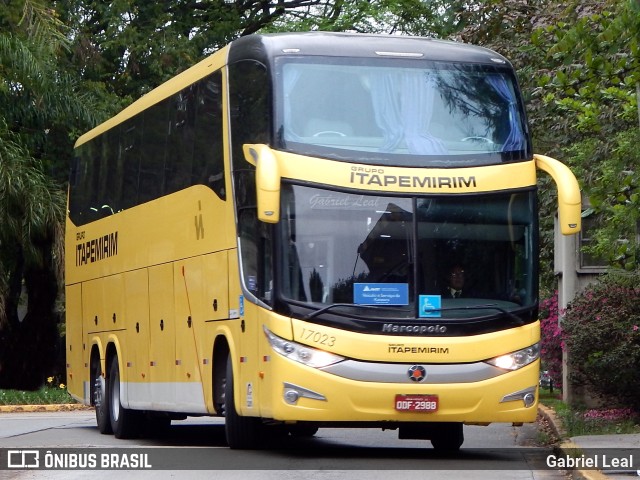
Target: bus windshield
400	253
402	113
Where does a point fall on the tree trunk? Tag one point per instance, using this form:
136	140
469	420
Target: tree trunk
30	349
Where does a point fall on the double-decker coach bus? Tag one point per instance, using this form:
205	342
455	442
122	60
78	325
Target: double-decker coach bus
269	236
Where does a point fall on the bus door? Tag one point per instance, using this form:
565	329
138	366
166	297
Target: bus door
136	361
162	333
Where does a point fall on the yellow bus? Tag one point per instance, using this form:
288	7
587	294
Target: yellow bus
269	236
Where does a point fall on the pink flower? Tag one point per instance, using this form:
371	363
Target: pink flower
635	328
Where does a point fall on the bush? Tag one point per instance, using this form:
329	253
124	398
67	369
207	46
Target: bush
602	335
551	340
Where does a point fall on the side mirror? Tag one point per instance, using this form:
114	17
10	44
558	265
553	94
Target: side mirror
569	200
267	181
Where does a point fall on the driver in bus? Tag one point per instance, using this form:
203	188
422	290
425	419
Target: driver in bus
455	283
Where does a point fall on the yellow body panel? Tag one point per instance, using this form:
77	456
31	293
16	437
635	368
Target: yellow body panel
351	400
398	179
393	348
76	368
162	296
136	367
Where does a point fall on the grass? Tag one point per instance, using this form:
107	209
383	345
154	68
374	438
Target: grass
52	393
583	421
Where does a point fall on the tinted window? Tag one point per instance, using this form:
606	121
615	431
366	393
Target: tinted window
208	153
250	113
392	112
170	146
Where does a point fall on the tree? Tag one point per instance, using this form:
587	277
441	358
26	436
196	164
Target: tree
132	46
42	104
579	70
585	104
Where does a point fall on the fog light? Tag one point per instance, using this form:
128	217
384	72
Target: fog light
292	393
528	396
291	397
529	399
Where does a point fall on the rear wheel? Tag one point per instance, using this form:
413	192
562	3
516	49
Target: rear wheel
241	432
125	423
100	398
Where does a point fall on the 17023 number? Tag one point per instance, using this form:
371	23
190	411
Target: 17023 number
318	337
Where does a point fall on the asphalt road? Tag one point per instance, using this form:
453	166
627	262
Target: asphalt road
196	448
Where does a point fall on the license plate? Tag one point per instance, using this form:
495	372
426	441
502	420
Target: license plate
416	403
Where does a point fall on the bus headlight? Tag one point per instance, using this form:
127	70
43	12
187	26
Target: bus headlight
301	353
517	359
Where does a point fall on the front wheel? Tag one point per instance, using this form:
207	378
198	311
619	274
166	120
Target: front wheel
241	432
125	423
302	430
448	437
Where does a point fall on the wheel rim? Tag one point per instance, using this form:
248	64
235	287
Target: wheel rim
98	391
223	406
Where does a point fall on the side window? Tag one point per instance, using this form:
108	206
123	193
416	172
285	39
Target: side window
170	146
152	163
250	123
130	150
181	139
208	152
588	261
249	108
92	179
79	183
112	195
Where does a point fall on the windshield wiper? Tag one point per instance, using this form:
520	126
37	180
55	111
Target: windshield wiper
314	314
488	306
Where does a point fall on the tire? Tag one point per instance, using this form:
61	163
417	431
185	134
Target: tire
100	398
219	381
303	430
243	433
125	423
448	437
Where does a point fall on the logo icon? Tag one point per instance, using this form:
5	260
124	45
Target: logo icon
23	459
417	373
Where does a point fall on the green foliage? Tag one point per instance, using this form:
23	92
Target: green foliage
580	421
53	392
43	104
602	335
586	102
611	174
551	339
438	18
131	46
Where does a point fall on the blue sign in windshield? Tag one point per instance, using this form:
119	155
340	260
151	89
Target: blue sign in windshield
429	306
381	293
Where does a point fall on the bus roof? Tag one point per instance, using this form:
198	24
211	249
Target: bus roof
340	44
264	47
